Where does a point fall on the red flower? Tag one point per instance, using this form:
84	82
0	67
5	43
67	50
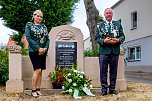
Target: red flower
60	76
49	76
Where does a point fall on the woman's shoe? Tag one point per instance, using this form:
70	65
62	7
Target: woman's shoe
38	92
34	93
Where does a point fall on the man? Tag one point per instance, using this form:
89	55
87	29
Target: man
109	36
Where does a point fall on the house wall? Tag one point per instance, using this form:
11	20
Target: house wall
146	51
144	23
87	43
142	35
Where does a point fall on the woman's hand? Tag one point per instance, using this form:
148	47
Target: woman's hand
42	51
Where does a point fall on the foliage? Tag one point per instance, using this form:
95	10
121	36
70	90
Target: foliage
17	13
24	51
17	37
100	18
3	66
76	80
57	76
91	52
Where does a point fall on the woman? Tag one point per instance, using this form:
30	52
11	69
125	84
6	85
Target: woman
38	39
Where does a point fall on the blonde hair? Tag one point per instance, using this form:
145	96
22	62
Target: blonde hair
36	12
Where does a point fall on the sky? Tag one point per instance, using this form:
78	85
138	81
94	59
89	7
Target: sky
79	19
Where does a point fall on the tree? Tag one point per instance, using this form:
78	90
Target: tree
16	13
92	19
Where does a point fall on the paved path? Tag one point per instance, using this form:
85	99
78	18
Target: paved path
143	77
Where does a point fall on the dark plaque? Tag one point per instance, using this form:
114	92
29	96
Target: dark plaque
66	54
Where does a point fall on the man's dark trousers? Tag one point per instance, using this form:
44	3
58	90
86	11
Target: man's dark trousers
112	61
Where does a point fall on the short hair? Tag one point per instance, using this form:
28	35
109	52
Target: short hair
35	12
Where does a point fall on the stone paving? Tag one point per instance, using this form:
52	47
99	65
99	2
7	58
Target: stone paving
139	76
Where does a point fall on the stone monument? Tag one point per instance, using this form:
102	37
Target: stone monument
66	47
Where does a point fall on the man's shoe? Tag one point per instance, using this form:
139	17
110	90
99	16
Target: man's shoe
103	93
112	92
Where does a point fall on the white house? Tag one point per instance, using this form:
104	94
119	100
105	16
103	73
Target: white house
136	19
87	43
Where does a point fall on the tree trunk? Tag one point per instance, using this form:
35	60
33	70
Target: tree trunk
92	19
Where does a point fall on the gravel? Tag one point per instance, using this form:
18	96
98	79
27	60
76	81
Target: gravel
135	92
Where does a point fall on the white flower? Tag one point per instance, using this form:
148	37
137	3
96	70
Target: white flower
81	76
114	33
63	87
69	80
74	84
69	74
75	71
70	90
85	85
82	72
91	86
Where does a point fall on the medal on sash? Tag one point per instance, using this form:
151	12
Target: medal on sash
42	35
39	32
42	40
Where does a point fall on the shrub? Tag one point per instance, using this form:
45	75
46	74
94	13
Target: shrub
91	52
3	66
24	51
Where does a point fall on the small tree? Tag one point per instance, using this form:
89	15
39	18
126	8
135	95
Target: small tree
92	19
17	13
3	65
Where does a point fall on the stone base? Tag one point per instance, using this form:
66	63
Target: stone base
46	91
14	86
58	91
44	84
121	84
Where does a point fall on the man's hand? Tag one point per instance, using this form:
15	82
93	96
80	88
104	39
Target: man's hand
111	40
107	40
115	40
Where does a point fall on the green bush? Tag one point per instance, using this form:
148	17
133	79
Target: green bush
91	52
24	52
3	66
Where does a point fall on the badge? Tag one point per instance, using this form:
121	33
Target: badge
114	33
41	40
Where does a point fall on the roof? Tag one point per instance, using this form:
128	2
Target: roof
117	3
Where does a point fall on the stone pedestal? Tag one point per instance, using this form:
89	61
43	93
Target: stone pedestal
121	82
15	82
14	86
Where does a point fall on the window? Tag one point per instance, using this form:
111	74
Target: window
134	20
134	53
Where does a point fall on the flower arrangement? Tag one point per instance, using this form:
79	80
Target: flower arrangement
57	77
76	83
